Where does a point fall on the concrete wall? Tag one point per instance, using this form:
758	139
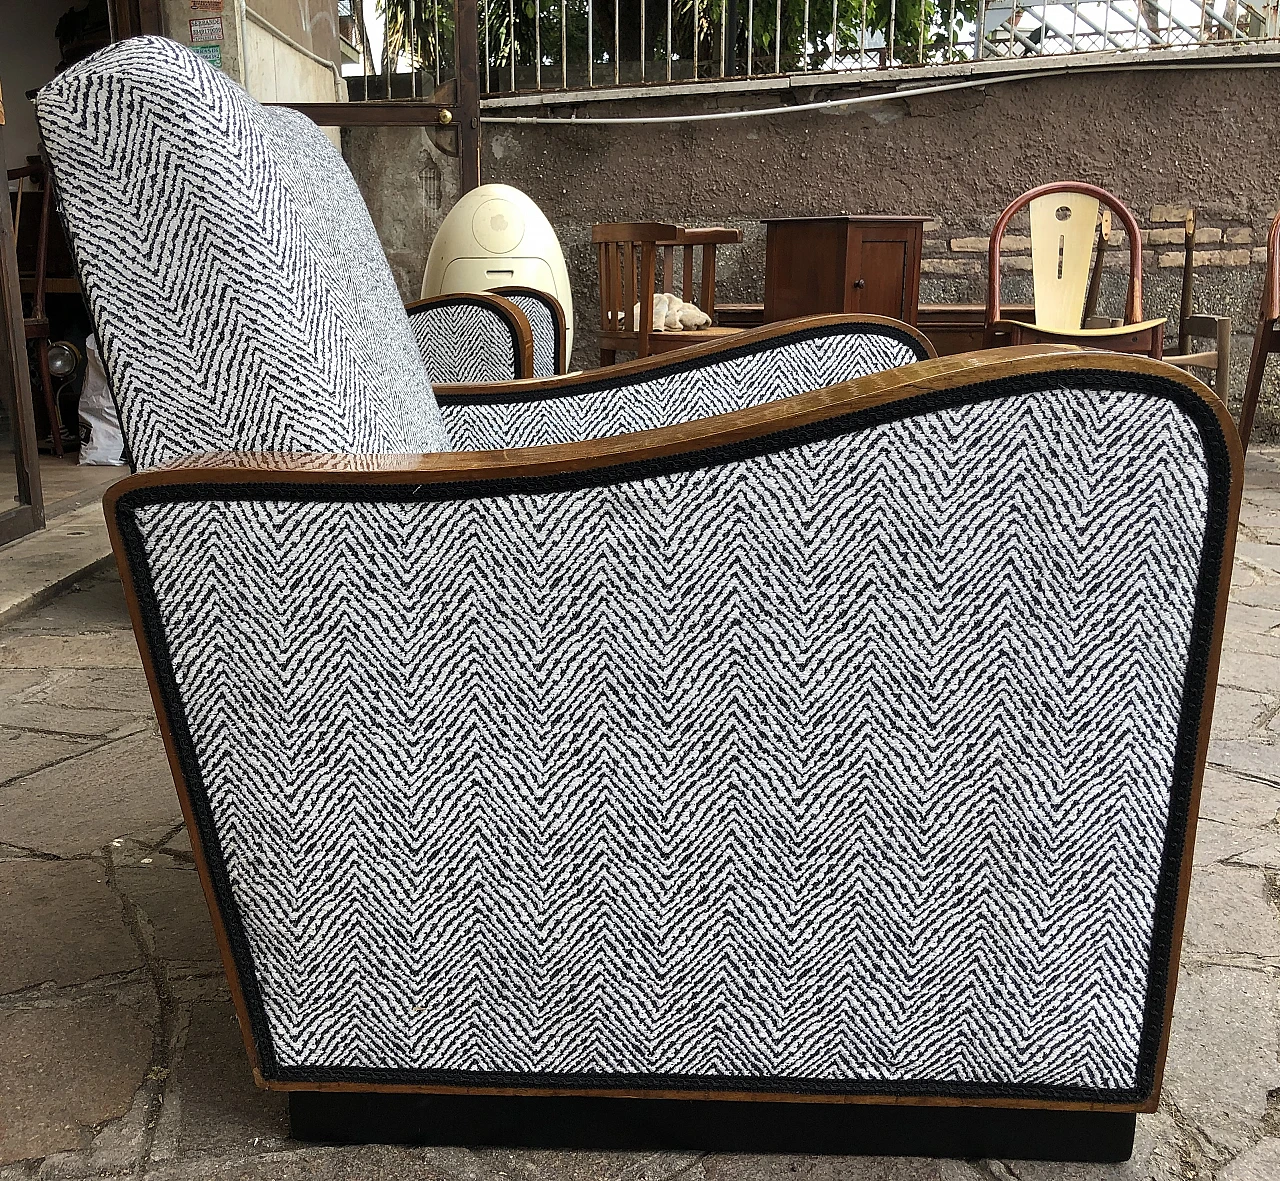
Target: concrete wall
1158	139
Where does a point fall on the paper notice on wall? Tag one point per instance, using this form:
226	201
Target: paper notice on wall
211	53
206	5
205	29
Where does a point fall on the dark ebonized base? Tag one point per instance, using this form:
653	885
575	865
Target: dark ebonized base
598	1123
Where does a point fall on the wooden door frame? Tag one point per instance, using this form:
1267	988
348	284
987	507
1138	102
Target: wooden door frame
15	382
134	18
463	113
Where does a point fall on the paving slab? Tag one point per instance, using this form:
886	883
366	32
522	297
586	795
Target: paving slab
1228	909
742	1167
81	804
60	923
212	1107
63	1071
1245	801
22	752
36	568
120	690
107	649
1259	1163
1223	1052
175	915
367	1162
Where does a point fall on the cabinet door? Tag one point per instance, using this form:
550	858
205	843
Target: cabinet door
881	285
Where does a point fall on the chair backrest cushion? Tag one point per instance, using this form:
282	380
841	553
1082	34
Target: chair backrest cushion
241	298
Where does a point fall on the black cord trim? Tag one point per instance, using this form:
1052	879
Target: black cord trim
470	299
689	364
1195	690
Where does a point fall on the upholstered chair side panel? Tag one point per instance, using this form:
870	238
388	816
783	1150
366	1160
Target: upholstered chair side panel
548	330
734	378
238	299
875	739
462	339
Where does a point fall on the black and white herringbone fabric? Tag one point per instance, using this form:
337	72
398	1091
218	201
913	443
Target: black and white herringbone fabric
811	360
848	762
546	332
464	342
240	296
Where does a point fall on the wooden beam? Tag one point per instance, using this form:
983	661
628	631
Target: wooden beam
466	51
378	113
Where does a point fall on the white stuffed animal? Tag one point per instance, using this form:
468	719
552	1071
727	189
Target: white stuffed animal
672	314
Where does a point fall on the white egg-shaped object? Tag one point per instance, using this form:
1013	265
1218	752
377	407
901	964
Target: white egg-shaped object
495	236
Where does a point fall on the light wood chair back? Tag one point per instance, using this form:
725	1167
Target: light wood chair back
1061	246
1063	226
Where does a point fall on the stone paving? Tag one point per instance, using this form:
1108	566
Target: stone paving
120	1054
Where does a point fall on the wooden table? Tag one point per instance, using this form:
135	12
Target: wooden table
819	265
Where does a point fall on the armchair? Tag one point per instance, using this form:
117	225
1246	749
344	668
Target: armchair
868	717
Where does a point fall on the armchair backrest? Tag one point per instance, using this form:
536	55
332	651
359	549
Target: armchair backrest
1064	218
241	298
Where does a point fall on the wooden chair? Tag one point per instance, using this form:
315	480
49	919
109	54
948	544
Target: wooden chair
1064	216
36	325
1192	327
628	254
1266	337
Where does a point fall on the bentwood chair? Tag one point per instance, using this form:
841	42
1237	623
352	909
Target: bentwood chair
628	265
798	718
1064	218
1266	337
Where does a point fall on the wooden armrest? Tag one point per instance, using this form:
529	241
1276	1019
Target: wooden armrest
704	236
633	231
922	377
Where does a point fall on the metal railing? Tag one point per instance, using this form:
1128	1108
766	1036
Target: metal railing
546	45
573	44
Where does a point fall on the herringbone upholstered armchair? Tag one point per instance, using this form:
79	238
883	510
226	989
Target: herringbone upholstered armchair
799	721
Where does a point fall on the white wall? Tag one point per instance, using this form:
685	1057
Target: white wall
28	57
276	72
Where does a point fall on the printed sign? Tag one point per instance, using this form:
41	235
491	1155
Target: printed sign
211	53
205	29
206	5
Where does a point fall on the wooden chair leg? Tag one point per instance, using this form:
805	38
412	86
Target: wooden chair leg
1156	352
50	399
1253	386
1222	376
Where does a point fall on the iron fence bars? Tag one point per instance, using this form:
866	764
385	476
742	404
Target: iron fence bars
562	45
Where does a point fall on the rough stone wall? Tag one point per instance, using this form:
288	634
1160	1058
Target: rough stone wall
409	186
1160	140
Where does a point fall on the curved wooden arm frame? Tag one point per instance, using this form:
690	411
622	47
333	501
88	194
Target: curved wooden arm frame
629	457
555	307
1133	305
516	321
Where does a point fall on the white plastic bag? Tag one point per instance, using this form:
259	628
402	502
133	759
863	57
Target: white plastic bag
101	441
